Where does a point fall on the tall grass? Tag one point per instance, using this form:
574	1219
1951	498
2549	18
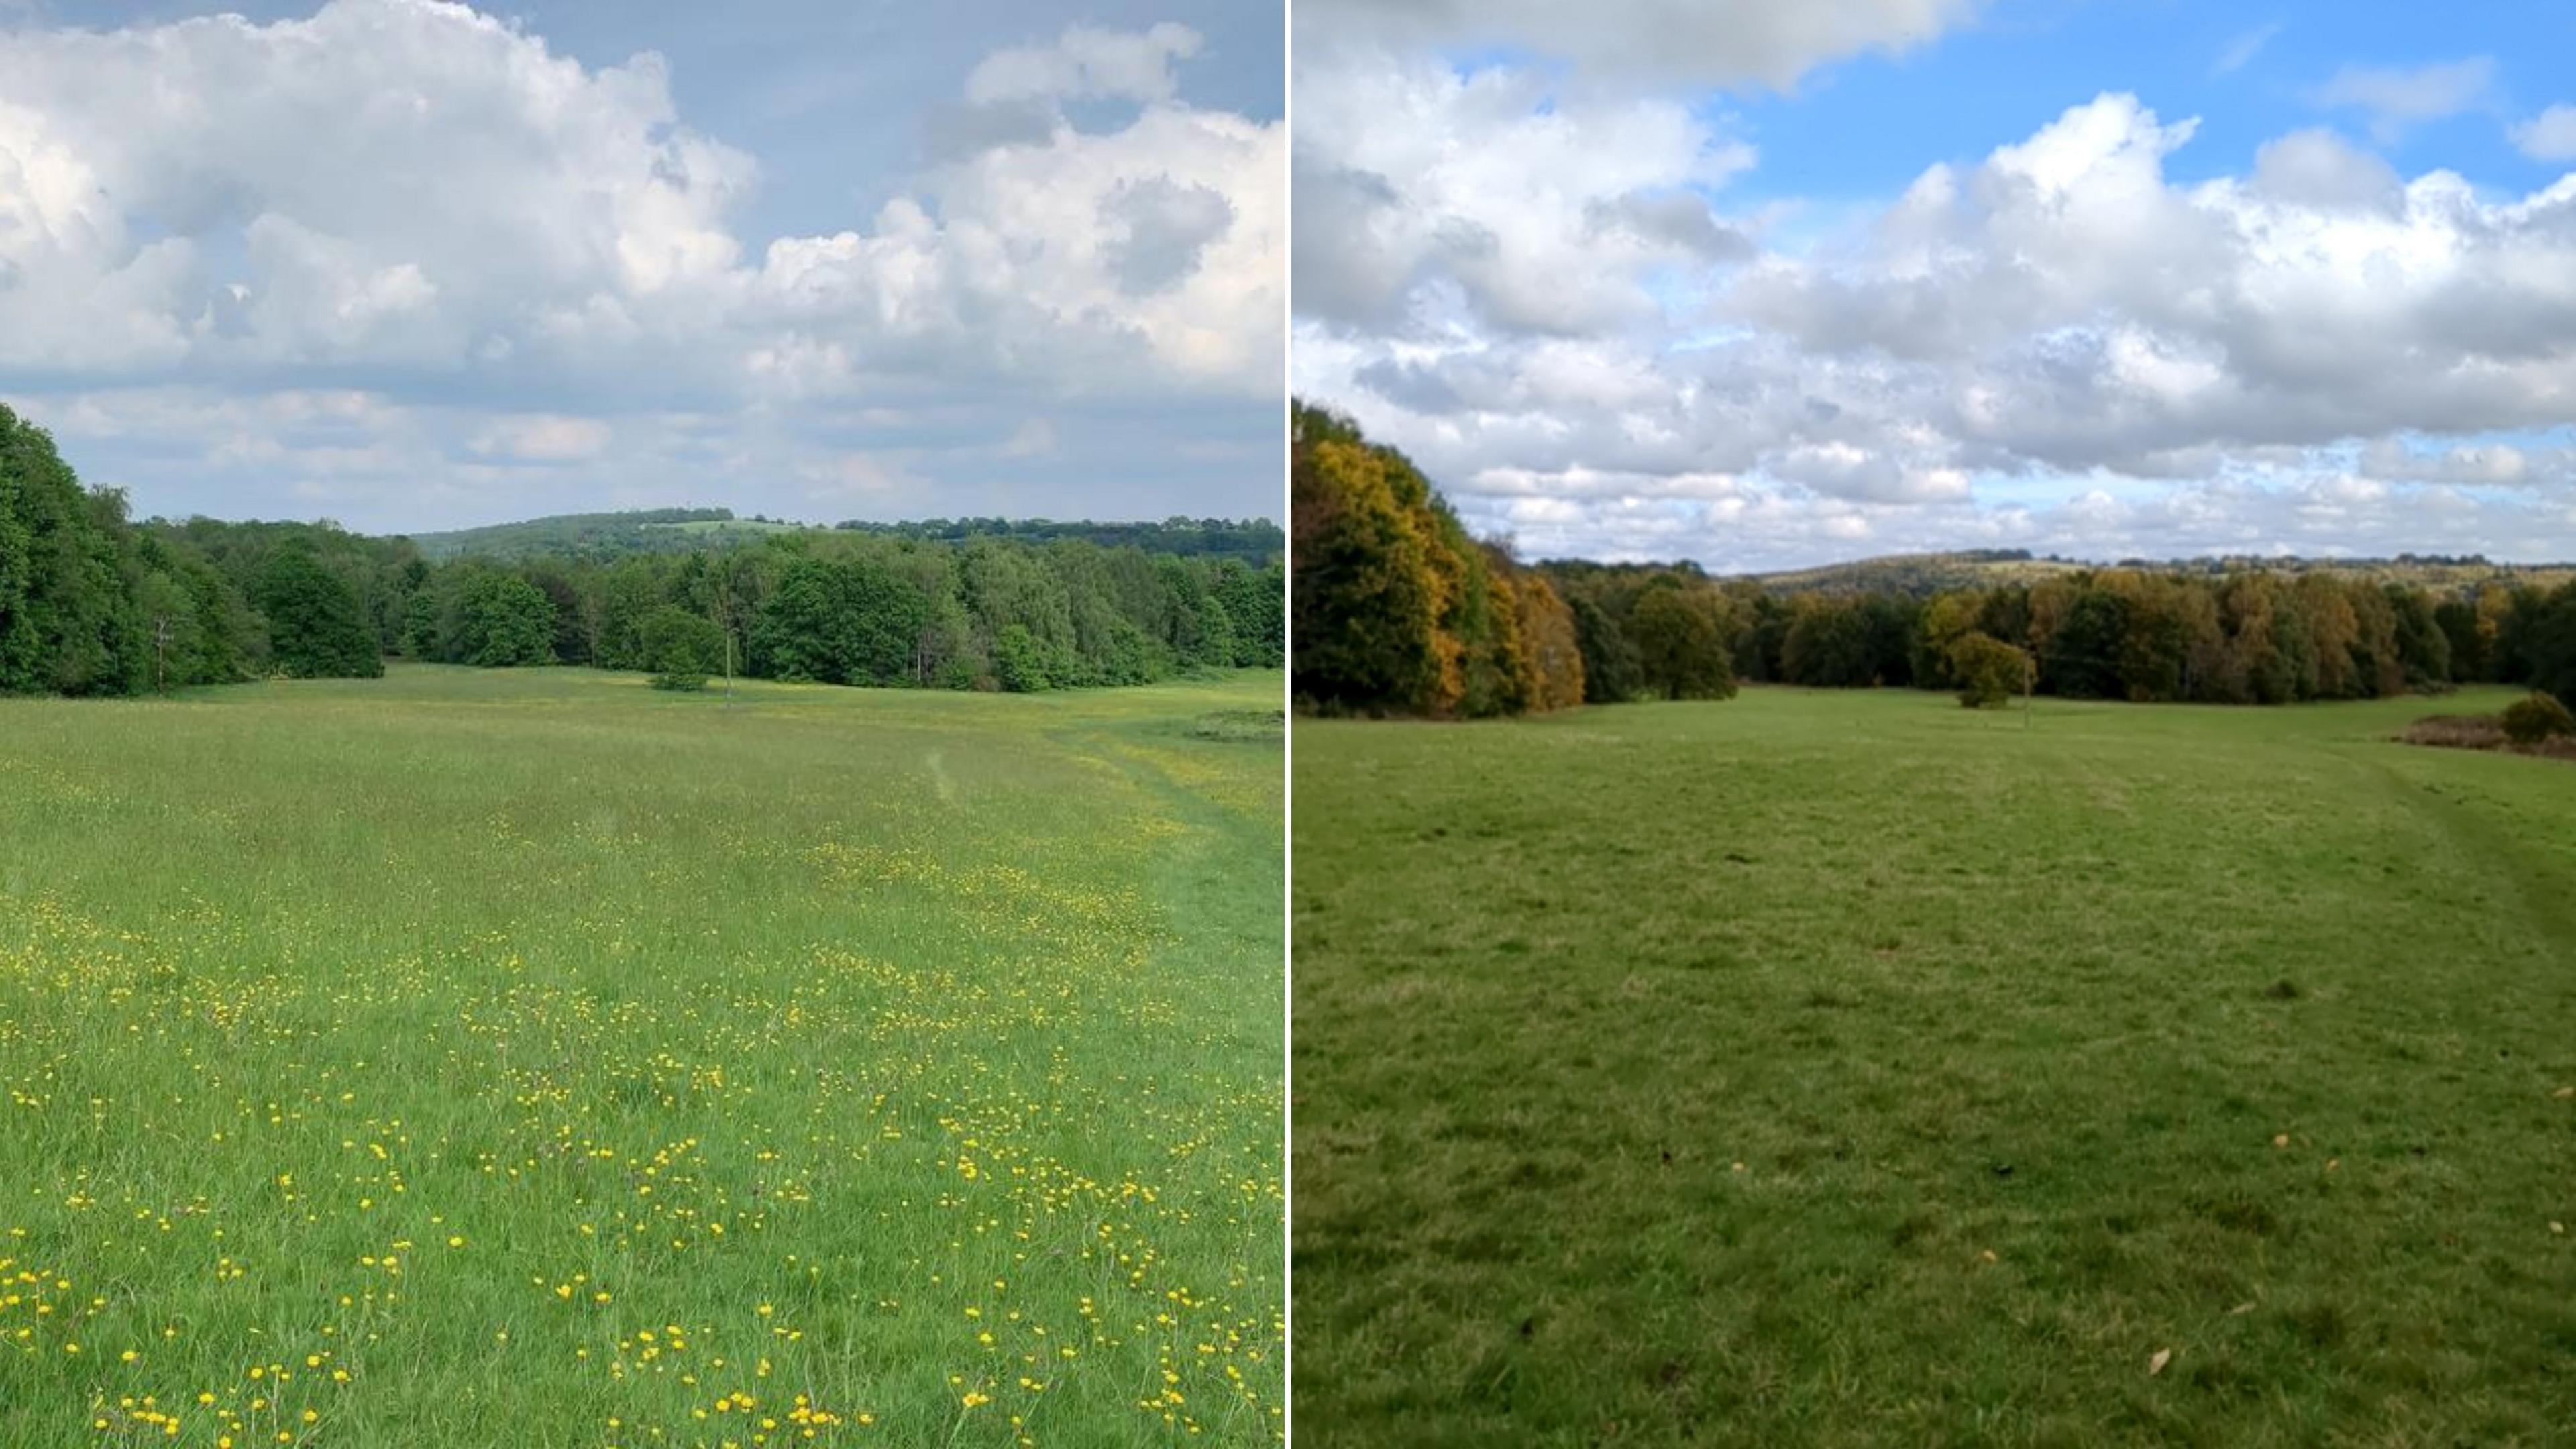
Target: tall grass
534	1058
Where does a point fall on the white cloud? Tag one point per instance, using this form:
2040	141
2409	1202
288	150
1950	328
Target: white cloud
2549	136
411	187
2400	96
1427	198
2227	359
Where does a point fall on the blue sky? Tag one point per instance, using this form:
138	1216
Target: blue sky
415	265
1771	283
1981	86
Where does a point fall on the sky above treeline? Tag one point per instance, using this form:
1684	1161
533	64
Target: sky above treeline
1774	282
415	265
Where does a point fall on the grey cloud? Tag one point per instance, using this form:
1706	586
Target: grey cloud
1343	270
1675	219
1159	231
956	130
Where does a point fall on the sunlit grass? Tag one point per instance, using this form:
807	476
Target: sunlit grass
1851	1068
533	1058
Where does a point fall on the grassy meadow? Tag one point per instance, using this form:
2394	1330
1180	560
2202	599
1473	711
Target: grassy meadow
1851	1068
529	1057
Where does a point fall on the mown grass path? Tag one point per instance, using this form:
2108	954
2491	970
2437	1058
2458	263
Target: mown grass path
531	1058
1853	1069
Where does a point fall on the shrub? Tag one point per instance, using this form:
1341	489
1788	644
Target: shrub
1990	672
2541	717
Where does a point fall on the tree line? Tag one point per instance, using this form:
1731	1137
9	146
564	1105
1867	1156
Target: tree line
92	602
1255	542
1399	611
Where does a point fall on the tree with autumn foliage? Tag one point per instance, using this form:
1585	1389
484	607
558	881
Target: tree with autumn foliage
1395	608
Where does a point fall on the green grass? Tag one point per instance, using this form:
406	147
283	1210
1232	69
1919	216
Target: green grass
569	1063
1854	1069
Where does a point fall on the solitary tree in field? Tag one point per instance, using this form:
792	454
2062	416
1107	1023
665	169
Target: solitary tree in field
681	648
1989	670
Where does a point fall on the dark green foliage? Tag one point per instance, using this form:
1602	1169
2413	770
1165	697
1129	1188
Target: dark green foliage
2471	647
2082	660
842	621
1612	673
2539	717
570	643
1255	543
1256	604
604	537
1831	644
1758	649
2423	646
316	627
681	648
1026	613
1092	616
198	627
68	623
2544	639
1680	631
492	619
92	605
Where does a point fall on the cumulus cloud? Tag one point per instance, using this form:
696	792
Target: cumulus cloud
414	188
2056	346
1426	196
2549	136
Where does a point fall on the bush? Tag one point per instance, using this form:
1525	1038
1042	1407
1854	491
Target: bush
681	648
1990	672
2541	717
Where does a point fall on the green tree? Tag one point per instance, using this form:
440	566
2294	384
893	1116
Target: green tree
1612	672
169	615
855	621
681	648
316	627
1020	661
1681	638
495	620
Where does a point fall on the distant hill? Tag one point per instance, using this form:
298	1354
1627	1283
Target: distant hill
598	535
1924	574
1254	541
1257	542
